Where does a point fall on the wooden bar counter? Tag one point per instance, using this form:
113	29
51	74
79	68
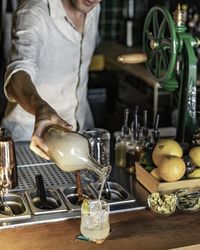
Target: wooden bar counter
135	230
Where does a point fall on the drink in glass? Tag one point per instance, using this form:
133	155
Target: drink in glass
95	223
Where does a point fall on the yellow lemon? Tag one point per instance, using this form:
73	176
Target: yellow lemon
85	207
194	174
194	155
172	168
155	172
166	147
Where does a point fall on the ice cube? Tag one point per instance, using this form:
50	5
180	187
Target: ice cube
90	222
104	216
95	207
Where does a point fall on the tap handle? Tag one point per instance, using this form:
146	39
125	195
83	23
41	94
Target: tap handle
125	128
145	127
156	122
156	133
136	126
126	113
145	118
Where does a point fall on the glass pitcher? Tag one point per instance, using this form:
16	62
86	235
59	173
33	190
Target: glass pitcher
70	151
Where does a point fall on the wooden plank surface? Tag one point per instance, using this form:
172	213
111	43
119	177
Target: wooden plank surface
139	230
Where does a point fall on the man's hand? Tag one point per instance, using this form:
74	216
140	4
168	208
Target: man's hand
44	117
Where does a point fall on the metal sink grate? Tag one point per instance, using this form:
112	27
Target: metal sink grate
52	176
25	156
29	165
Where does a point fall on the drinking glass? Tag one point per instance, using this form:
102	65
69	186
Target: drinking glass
95	224
99	140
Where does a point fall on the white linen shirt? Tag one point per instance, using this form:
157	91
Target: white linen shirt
56	56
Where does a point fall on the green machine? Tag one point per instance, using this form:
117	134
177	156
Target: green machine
170	56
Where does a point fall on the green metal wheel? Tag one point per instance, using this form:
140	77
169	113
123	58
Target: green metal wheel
160	45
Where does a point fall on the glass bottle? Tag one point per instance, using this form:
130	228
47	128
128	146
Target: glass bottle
134	148
121	142
155	132
70	151
154	137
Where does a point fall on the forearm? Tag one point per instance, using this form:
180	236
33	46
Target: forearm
21	88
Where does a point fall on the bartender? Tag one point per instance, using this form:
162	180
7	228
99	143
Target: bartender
47	74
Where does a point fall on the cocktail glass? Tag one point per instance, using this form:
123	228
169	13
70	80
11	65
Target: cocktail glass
95	224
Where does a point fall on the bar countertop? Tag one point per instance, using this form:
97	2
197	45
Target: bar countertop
136	230
133	230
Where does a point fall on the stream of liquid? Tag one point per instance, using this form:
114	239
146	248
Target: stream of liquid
95	224
101	189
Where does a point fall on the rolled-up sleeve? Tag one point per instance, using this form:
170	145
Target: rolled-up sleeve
26	44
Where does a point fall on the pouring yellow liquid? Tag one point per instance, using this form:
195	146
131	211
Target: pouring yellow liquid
70	151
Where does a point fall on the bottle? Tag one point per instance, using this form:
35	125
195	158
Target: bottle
155	132
121	142
148	142
70	151
152	139
134	147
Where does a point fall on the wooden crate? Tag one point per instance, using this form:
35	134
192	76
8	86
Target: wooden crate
153	185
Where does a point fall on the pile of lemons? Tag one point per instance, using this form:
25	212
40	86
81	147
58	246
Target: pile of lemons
167	156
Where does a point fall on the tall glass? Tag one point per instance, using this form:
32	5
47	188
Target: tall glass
95	224
99	140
